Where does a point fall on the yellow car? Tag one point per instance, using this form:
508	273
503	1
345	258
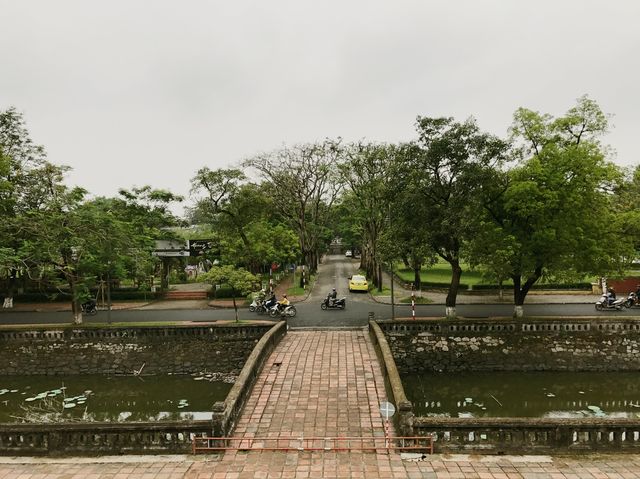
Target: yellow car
357	282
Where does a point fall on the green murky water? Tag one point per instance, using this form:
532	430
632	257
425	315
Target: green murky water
103	398
525	394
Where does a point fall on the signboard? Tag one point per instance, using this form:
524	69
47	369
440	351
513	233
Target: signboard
197	247
170	248
175	253
164	245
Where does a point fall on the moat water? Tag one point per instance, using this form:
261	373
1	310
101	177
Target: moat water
525	394
104	398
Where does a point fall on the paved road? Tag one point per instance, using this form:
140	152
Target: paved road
334	272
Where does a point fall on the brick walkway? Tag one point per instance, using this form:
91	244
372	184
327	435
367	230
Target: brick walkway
323	383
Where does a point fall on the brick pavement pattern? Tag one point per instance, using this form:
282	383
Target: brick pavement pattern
321	383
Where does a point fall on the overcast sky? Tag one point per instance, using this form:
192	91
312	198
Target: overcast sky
133	92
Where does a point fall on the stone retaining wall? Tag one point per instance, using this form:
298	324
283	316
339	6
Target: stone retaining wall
162	350
519	345
515	345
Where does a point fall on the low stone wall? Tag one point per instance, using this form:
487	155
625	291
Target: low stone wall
177	350
81	439
120	351
226	413
529	435
520	345
404	417
515	345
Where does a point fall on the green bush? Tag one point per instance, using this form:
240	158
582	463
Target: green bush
132	295
223	293
41	297
57	297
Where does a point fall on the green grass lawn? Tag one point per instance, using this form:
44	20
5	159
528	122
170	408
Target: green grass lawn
441	273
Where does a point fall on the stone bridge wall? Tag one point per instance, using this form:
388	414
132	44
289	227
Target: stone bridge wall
515	345
162	350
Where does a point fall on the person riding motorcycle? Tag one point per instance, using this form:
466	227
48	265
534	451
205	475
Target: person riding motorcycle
271	301
331	297
284	302
611	296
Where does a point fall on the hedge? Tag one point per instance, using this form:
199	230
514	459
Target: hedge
484	287
56	297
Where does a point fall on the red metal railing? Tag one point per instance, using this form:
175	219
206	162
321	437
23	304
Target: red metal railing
284	443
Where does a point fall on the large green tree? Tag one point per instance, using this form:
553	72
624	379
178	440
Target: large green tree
553	214
442	175
27	183
72	242
147	212
248	231
626	201
366	173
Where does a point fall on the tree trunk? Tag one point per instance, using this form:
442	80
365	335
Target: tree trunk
164	275
11	289
417	279
76	309
456	273
235	306
520	290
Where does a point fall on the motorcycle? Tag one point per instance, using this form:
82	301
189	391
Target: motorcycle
335	304
604	304
278	309
257	306
632	300
89	307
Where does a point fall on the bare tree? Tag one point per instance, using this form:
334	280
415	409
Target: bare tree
303	184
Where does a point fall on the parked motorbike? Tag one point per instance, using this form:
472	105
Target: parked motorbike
288	311
632	300
603	303
89	307
337	303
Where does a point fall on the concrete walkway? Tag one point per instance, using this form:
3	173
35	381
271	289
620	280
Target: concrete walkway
320	383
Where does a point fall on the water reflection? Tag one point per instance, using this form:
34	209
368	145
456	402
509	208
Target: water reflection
103	398
525	394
